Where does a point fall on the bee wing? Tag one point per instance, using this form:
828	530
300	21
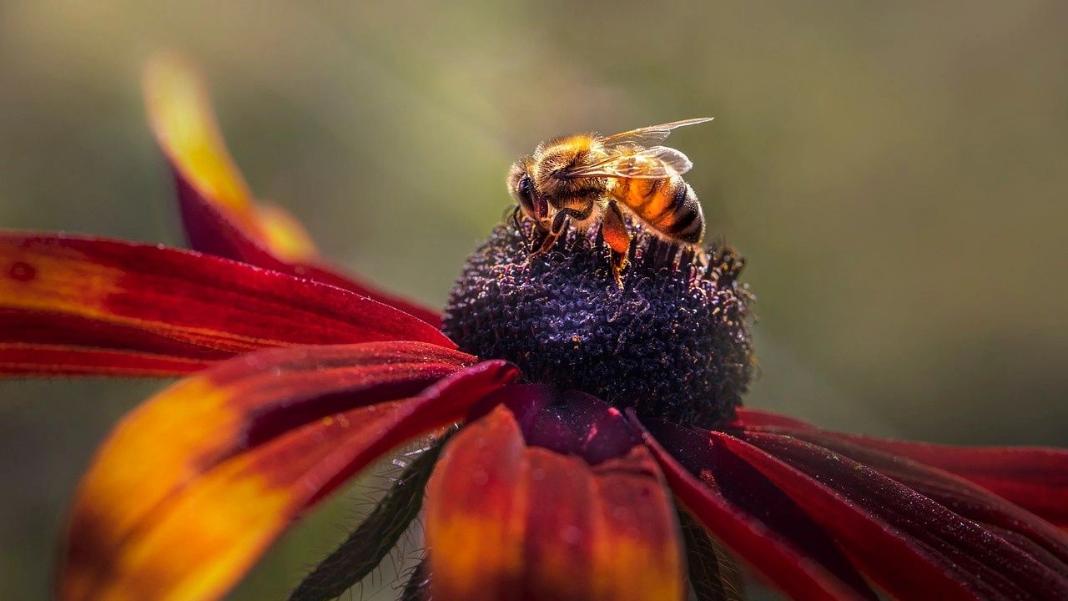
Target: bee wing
657	162
651	135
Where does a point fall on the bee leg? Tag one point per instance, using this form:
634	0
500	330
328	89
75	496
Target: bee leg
546	243
560	221
614	229
557	228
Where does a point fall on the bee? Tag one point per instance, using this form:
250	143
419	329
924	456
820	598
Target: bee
585	179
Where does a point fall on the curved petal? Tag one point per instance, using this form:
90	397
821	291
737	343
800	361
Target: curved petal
1035	478
46	359
795	556
912	546
955	493
191	487
149	307
744	418
506	521
218	209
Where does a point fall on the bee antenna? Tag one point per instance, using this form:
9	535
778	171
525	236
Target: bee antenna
518	225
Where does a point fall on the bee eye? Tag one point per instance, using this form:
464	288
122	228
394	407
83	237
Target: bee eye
527	197
526	187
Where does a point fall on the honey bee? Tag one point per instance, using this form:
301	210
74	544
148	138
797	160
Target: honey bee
585	179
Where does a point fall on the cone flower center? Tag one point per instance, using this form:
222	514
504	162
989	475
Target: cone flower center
673	343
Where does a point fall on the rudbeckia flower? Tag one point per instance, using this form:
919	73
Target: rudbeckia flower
586	442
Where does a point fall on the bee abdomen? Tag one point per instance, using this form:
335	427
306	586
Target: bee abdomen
668	205
685	221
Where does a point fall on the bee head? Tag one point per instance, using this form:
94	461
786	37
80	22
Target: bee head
521	187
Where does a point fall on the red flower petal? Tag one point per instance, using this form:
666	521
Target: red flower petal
37	359
218	210
509	521
789	557
754	418
957	494
156	305
1035	478
912	546
192	486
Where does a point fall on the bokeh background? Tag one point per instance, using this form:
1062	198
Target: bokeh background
896	173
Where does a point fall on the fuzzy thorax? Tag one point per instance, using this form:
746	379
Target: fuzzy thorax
673	343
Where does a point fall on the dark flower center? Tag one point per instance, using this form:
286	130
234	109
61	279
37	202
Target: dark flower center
672	343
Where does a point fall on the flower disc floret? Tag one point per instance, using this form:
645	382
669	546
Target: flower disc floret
673	342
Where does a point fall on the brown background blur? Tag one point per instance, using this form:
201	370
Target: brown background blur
896	173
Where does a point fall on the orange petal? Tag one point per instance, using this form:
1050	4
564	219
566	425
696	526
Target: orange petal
219	211
509	521
182	119
284	233
158	310
191	487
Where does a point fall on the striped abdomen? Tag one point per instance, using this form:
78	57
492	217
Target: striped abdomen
668	205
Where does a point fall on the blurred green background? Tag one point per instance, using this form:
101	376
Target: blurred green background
896	173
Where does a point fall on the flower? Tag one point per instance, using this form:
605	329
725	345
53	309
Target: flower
298	377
